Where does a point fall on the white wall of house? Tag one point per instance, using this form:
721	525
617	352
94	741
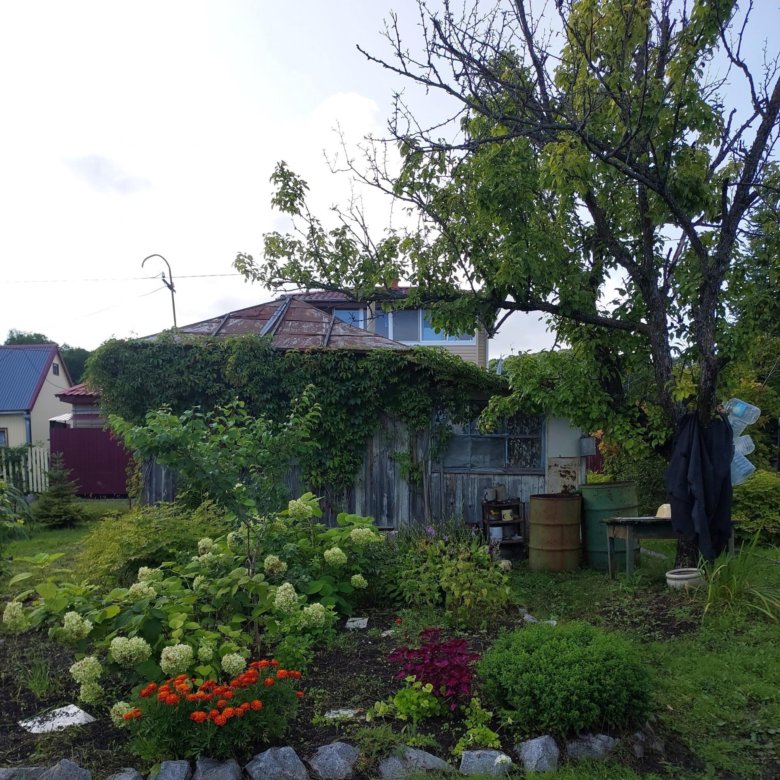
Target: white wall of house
15	429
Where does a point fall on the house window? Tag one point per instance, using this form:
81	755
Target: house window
414	326
352	317
516	446
55	369
3	437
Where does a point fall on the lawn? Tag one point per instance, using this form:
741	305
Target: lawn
715	678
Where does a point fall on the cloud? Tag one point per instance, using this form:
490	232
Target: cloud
104	175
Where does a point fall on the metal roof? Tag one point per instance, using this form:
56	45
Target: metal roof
23	370
292	324
78	394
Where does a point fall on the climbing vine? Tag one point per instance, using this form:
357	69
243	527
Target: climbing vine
354	390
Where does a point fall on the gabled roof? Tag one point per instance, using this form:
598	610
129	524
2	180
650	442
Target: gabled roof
23	370
79	394
291	324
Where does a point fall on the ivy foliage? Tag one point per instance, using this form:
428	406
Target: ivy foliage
353	390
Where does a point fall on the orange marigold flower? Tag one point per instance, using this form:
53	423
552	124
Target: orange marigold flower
274	662
244	706
282	674
213	714
296	675
228	694
172	699
228	712
199	716
192	697
221	720
221	703
239	713
268	681
256	705
299	694
264	664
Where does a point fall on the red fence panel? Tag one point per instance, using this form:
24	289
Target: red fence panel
97	461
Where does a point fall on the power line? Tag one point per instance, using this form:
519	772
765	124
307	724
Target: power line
113	279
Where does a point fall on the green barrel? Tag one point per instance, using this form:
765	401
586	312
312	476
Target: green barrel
599	502
554	532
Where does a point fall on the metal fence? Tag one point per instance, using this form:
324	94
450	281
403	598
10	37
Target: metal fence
26	468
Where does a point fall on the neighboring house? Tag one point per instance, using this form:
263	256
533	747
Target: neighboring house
529	454
31	375
97	462
409	326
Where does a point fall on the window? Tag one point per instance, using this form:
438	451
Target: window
55	369
352	317
3	437
414	326
515	447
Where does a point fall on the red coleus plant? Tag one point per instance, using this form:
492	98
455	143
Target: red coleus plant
447	665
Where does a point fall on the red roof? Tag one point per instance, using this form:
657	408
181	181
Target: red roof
79	394
291	324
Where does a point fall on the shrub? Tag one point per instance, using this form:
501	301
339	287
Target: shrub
14	510
564	680
117	547
447	666
450	568
187	717
57	506
756	506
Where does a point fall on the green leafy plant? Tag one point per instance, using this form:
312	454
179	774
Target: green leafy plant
564	679
756	506
412	703
478	732
735	582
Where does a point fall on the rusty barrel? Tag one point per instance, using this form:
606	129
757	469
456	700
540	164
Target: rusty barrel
554	532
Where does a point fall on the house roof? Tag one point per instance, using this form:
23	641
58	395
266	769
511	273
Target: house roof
334	297
23	370
78	394
292	324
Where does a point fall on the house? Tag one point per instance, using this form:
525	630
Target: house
97	462
31	375
528	454
407	326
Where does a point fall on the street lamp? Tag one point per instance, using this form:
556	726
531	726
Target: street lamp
167	282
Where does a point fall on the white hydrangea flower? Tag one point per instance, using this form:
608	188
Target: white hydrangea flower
176	659
90	692
198	582
141	590
129	652
205	653
363	536
117	713
358	581
87	670
74	627
299	510
147	574
286	599
204	545
316	616
273	565
14	618
335	556
235	541
233	664
502	760
505	565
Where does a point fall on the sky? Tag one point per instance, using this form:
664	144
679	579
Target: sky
153	127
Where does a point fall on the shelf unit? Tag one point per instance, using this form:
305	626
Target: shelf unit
508	531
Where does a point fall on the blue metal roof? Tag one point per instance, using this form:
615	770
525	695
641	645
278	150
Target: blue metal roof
23	369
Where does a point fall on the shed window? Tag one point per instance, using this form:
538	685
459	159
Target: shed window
55	369
516	446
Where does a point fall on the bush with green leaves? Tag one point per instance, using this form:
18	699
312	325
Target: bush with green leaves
449	567
564	680
756	506
115	548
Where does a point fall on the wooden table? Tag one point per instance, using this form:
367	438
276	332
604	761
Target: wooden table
633	528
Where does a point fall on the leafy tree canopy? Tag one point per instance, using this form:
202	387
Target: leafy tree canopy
601	174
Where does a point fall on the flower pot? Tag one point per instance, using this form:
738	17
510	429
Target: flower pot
684	578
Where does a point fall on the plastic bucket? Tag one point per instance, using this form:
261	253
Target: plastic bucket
601	501
554	532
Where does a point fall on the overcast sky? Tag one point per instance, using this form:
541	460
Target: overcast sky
153	127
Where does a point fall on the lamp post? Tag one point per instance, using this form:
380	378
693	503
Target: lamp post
167	282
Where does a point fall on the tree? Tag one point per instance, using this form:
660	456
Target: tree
610	160
25	337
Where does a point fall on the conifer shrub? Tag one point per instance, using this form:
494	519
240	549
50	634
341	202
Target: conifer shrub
57	506
564	680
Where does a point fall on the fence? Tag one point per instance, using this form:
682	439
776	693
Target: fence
26	468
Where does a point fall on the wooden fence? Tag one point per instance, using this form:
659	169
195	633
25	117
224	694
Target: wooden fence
26	468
